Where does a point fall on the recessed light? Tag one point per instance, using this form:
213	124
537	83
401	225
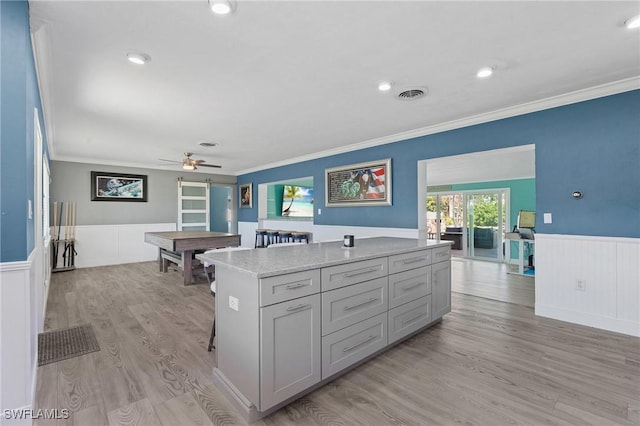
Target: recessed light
384	86
221	7
138	58
484	72
632	23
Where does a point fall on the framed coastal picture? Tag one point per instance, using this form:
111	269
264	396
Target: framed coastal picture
362	184
246	195
109	186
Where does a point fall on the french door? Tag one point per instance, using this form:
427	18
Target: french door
474	220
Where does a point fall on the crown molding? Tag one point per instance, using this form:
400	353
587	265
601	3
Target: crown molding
582	95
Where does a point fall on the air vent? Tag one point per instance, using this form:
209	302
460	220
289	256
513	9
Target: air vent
208	144
411	94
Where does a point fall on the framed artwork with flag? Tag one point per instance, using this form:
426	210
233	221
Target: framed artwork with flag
363	184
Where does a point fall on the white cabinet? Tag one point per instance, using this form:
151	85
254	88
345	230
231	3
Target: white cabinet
282	334
440	289
289	349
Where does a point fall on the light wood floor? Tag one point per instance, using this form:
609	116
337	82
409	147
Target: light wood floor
487	363
492	281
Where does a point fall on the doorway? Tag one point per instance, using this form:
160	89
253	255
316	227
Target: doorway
463	191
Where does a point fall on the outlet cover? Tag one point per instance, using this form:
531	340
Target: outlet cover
581	284
234	303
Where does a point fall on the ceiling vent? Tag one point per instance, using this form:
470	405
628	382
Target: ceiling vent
412	94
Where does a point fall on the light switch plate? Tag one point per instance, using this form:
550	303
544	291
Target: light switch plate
547	218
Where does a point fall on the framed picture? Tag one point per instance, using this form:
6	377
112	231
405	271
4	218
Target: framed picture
363	184
246	196
107	186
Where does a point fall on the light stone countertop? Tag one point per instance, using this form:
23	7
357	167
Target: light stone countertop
267	262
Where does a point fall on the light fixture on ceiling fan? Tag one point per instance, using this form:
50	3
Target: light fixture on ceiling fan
189	163
222	7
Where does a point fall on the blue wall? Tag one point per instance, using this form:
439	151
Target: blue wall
591	146
18	97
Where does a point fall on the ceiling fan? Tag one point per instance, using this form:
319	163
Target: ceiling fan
189	163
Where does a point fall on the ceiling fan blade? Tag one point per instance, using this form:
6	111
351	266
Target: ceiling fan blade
170	161
209	165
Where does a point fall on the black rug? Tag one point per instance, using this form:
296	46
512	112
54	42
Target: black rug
56	345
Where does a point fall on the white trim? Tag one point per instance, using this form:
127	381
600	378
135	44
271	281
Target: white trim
19	265
596	321
588	238
582	95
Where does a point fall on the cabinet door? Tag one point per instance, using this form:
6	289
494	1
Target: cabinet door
440	289
290	349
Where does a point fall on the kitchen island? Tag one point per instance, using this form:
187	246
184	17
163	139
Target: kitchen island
290	319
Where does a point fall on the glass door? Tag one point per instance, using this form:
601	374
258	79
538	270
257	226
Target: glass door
474	220
193	206
485	213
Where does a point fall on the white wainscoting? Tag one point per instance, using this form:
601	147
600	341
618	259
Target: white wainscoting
18	334
99	245
321	233
610	269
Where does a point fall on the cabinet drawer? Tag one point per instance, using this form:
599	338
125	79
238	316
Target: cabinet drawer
290	286
345	347
348	305
406	261
410	285
352	273
440	254
409	317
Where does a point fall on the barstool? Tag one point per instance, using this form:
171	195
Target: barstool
210	273
285	236
272	236
261	234
299	237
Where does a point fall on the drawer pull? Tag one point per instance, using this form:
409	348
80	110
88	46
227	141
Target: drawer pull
298	307
412	319
294	286
360	272
366	302
367	340
412	286
414	260
442	253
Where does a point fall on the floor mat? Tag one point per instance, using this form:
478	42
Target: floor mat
57	345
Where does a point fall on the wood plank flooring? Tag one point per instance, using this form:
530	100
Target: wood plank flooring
487	363
492	281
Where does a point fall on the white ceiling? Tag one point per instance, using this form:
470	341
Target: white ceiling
290	80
